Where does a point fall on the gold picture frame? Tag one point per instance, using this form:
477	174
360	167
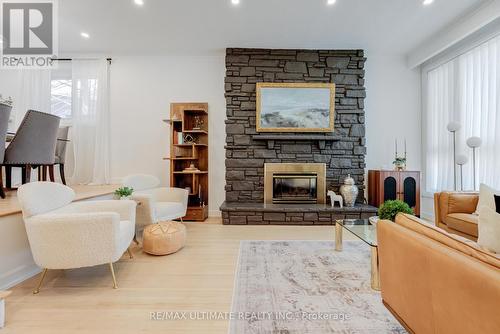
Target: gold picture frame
263	88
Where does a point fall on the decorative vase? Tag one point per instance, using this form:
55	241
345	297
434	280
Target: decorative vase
349	191
400	167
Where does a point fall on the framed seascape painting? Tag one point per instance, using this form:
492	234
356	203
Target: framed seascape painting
295	107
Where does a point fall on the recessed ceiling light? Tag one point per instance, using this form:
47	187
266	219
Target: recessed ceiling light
235	2
427	2
139	2
85	35
331	2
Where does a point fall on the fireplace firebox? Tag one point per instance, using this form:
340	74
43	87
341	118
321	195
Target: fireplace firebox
291	183
295	188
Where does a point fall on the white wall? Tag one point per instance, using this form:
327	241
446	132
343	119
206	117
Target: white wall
142	89
393	110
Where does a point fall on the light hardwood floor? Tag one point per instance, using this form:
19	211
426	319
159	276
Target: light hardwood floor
198	278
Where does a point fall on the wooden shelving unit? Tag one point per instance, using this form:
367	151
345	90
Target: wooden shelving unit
185	122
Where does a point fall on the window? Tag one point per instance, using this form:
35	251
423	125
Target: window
61	91
61	98
466	90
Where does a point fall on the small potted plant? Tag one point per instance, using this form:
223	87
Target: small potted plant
124	193
390	209
400	163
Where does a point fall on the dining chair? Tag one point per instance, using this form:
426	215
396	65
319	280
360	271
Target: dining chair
60	159
33	145
4	124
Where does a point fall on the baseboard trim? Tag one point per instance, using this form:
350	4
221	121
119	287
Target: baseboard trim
18	276
215	213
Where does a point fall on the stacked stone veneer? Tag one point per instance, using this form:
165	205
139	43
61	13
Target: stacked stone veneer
245	156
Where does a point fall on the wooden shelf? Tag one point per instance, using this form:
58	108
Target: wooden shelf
191	172
204	132
172	120
181	158
188	145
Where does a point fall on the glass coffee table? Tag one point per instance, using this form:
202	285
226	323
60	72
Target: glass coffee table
367	232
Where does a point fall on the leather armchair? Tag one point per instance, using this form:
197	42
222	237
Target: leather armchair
454	212
65	235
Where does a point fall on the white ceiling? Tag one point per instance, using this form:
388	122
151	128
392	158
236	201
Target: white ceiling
204	26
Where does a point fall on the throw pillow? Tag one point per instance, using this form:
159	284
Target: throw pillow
489	229
497	201
487	197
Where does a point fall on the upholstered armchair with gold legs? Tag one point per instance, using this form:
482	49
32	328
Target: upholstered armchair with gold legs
65	235
156	203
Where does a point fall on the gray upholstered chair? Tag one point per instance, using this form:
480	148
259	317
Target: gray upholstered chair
4	124
62	141
33	145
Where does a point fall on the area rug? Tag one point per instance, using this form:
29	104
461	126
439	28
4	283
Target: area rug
306	287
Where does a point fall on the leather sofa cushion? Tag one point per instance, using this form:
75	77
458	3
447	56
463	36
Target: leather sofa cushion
463	222
453	241
462	203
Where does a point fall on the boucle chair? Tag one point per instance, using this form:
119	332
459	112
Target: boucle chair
67	235
156	203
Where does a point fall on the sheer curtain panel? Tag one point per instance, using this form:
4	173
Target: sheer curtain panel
90	115
466	90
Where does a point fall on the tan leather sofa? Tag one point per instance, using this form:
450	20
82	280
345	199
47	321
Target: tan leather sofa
454	213
437	282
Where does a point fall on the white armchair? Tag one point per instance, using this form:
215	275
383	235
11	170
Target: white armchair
65	235
156	203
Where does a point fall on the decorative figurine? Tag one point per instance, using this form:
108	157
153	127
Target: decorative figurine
335	198
190	138
349	191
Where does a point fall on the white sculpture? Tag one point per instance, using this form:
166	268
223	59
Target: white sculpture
335	198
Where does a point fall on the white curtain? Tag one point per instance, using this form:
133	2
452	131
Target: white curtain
466	90
34	93
90	115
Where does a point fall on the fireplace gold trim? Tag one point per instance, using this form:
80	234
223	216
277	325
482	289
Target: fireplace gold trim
293	168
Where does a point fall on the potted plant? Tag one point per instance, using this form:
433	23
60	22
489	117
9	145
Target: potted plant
124	193
390	209
400	163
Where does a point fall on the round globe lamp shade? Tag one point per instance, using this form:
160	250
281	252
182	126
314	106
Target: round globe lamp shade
462	159
454	126
474	142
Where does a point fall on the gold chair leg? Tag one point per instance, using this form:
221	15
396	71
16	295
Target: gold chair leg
115	286
37	290
130	253
135	240
182	221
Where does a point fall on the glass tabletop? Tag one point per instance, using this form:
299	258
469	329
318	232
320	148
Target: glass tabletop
361	228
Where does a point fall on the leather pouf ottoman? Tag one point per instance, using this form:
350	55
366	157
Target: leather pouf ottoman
164	238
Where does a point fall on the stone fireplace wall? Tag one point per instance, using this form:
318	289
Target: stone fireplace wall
246	155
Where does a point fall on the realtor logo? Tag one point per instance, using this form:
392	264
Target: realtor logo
28	33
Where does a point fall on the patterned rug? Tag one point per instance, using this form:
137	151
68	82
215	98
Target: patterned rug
306	287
